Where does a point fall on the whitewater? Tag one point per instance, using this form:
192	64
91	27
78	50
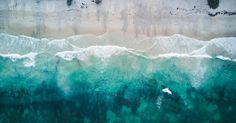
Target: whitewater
83	46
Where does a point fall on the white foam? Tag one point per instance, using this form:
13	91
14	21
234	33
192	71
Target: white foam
167	90
159	102
98	51
156	47
67	55
28	59
108	51
227	44
105	51
224	58
169	55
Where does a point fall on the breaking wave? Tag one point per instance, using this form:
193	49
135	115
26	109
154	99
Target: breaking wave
19	47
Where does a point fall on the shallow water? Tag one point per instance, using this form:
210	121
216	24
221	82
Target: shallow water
111	84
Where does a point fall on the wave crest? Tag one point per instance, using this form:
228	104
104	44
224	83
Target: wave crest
83	46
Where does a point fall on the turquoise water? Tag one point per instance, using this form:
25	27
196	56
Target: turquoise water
123	88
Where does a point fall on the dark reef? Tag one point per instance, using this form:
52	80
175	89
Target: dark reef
213	3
